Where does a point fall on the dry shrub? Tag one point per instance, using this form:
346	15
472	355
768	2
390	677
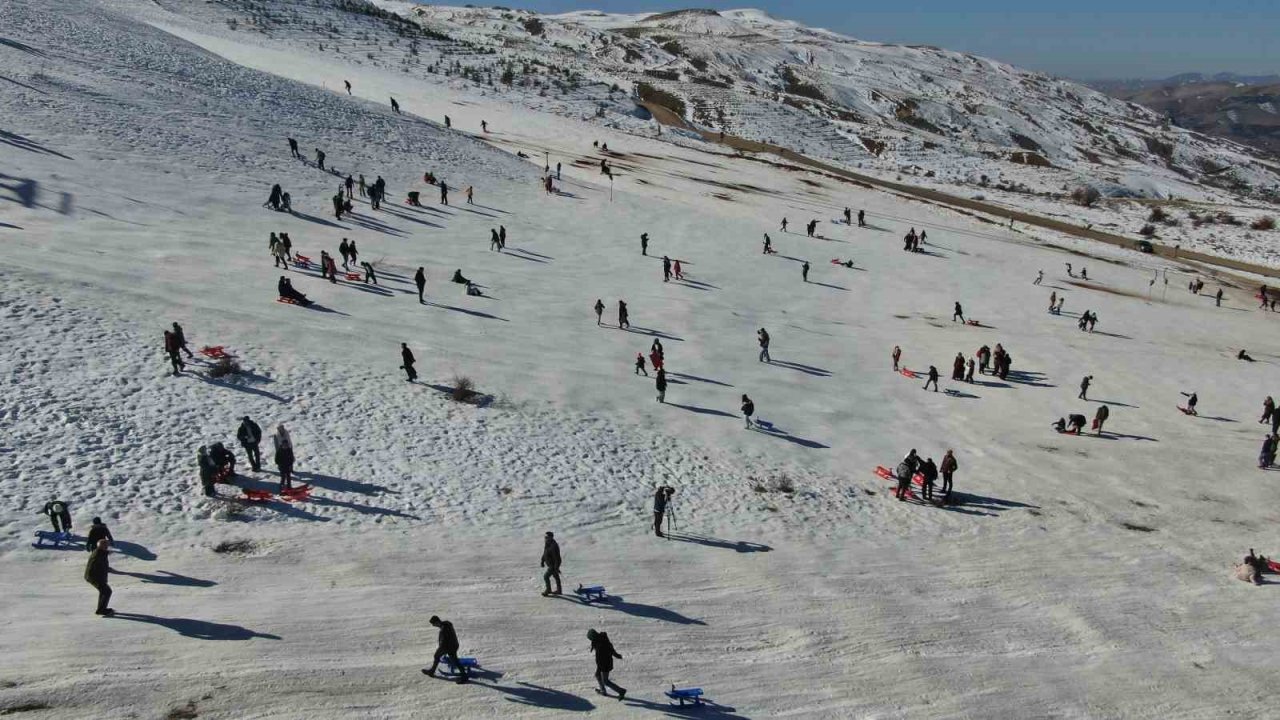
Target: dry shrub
1085	195
1157	215
1266	222
1227	218
464	390
1148	230
235	547
225	366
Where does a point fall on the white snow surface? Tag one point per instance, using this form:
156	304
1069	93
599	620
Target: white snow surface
1076	577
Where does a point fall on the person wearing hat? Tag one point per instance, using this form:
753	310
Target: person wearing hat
446	646
95	573
249	436
605	654
97	531
551	561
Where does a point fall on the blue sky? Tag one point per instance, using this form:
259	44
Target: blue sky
1083	39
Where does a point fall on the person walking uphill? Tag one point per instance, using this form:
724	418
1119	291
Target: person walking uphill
762	336
250	435
446	646
605	653
748	409
551	561
406	357
95	573
599	308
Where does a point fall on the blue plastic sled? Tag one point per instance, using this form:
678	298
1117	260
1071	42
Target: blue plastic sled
693	695
469	663
591	593
55	539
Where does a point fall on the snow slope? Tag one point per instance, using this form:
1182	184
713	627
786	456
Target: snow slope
1078	577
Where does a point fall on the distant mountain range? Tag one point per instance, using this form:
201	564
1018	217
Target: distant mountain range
1243	108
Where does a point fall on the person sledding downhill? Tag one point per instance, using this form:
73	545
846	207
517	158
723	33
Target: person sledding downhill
1190	409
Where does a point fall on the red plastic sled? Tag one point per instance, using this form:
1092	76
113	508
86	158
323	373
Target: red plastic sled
287	301
1273	566
257	495
214	351
1187	411
354	276
909	373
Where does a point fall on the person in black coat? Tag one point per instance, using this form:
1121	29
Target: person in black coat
406	356
605	653
933	379
930	472
250	435
95	573
551	561
181	338
748	409
293	148
661	384
420	279
97	531
661	497
286	290
59	514
623	321
446	646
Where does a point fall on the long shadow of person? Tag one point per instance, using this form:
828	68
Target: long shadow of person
198	629
524	693
164	577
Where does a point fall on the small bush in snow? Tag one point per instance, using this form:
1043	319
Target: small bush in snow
1266	222
224	367
464	390
1227	218
1157	214
1085	195
1148	230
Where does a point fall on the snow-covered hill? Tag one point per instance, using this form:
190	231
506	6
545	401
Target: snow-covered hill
1073	576
958	116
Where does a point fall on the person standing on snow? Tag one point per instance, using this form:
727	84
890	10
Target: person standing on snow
862	218
930	473
1267	456
968	375
904	472
748	409
420	279
622	315
897	355
369	275
319	158
949	467
644	243
605	653
345	251
762	337
661	384
666	269
284	458
550	561
1100	417
1268	409
494	244
446	646
406	357
250	435
98	531
599	308
784	225
804	271
959	313
171	348
95	573
1084	387
1039	278
661	497
933	378
502	237
957	367
470	193
1217	298
677	270
350	185
444	193
293	148
768	245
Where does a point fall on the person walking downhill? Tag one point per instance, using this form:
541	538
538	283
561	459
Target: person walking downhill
96	572
446	647
550	561
605	654
406	357
933	379
748	409
599	307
